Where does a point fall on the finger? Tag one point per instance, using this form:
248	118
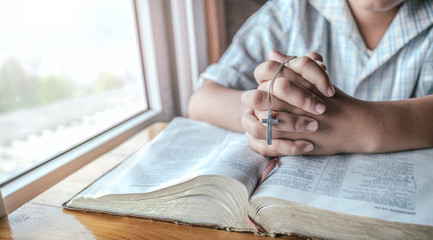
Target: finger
310	71
288	122
280	146
315	56
275	55
322	65
266	71
318	59
257	145
297	95
256	99
251	124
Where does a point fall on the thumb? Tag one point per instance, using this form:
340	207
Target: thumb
275	55
315	70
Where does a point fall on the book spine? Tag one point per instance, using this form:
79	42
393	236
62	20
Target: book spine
268	169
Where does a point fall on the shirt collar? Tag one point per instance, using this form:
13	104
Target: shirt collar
413	17
337	12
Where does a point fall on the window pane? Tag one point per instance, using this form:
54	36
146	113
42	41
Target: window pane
68	70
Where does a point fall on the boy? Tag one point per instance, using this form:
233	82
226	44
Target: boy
379	52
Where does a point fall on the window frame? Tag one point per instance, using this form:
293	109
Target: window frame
169	80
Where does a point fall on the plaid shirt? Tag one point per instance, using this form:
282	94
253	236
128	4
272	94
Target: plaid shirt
400	67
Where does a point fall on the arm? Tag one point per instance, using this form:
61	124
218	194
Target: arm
218	105
403	125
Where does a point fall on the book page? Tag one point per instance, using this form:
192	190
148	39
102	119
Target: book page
184	150
393	187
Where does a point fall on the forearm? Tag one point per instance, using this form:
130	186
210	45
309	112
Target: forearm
402	125
218	105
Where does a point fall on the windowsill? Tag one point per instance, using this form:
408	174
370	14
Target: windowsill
65	189
26	187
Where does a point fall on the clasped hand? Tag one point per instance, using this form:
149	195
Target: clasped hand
314	116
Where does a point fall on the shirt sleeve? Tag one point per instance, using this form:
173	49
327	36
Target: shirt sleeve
263	31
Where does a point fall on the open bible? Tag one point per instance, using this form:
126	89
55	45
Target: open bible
200	174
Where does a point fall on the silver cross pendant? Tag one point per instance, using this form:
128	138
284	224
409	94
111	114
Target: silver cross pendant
270	121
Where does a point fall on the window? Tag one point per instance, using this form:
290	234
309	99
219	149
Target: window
69	70
80	77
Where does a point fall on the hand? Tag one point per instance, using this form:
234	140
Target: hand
348	125
299	84
298	104
304	79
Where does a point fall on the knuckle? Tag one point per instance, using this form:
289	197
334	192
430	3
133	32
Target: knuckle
305	61
315	56
264	68
307	101
256	98
293	150
296	150
299	124
256	130
277	149
284	84
309	67
274	147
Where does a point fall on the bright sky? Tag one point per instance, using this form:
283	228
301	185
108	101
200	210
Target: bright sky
75	37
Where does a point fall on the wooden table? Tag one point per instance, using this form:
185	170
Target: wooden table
44	218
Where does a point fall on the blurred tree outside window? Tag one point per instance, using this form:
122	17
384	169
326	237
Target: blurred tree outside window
69	70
